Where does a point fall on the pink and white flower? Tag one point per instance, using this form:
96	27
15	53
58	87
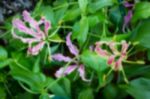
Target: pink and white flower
36	36
69	69
112	56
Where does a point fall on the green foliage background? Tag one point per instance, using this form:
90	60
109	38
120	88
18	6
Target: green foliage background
29	77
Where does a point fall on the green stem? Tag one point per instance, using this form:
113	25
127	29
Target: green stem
66	27
108	73
49	50
57	28
4	34
27	89
54	32
65	67
21	66
134	62
9	92
94	35
104	23
124	76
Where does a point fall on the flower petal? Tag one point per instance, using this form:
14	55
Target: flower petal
111	59
65	71
28	18
47	26
99	50
127	5
81	71
127	19
25	40
118	64
113	48
17	23
33	23
35	50
60	57
72	48
124	49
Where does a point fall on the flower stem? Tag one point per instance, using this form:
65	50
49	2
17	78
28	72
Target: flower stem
134	62
65	67
54	32
124	76
25	88
104	23
105	76
49	51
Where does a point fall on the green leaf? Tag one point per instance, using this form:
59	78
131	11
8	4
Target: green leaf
3	53
115	16
36	66
4	63
142	35
83	5
71	14
45	96
36	81
139	70
120	37
138	88
148	55
62	88
94	61
56	38
97	5
25	95
93	20
59	13
66	84
48	13
142	11
86	94
111	91
2	93
80	32
59	89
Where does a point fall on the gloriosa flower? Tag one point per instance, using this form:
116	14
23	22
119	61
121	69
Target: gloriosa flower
35	35
66	71
114	56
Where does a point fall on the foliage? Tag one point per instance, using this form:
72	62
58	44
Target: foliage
83	49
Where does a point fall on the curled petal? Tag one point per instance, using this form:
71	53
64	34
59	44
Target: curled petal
28	18
118	64
33	23
124	49
127	19
35	50
99	50
113	48
60	57
25	40
65	71
72	48
47	26
111	59
127	4
17	23
81	71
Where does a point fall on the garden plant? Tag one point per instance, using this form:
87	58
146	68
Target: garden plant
74	49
